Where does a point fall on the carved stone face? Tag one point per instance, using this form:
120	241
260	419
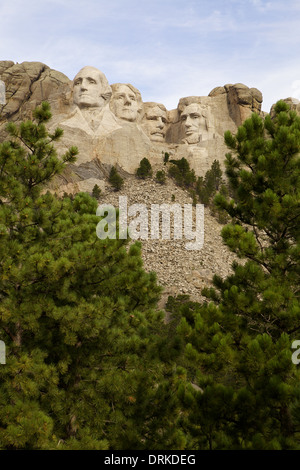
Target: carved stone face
124	103
154	123
88	88
193	122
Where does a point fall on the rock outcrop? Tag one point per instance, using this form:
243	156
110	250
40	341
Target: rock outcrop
30	83
111	125
294	104
241	101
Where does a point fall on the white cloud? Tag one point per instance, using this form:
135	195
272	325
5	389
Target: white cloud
167	49
296	89
262	5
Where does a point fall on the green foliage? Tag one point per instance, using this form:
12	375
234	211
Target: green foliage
90	363
207	187
200	189
193	195
78	316
181	172
210	184
96	193
24	168
145	169
238	343
161	177
115	179
166	158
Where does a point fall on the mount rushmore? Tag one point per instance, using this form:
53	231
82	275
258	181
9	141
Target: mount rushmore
111	125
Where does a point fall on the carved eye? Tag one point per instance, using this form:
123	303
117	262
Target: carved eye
132	98
183	118
92	81
78	81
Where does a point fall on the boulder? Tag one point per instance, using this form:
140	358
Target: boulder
30	83
241	101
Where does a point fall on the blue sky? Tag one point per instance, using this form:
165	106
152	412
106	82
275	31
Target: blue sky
168	49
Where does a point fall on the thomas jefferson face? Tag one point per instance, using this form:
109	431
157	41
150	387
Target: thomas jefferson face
124	103
154	123
88	88
193	123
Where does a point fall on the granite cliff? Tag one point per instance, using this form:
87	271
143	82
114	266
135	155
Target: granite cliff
112	126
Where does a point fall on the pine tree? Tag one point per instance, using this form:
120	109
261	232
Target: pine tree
238	347
96	193
181	172
115	179
145	169
78	317
208	186
161	177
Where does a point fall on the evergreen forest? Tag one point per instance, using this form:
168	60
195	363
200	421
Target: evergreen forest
91	364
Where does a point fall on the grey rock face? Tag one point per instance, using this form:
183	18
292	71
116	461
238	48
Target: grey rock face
111	125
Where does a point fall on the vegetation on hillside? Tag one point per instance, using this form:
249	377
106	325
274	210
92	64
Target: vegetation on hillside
78	316
238	343
90	362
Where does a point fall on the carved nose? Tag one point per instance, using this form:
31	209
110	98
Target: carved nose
83	85
160	124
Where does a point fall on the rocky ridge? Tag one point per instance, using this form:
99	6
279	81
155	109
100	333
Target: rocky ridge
116	140
179	271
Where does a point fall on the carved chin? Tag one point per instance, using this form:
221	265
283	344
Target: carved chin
128	115
82	103
192	139
157	137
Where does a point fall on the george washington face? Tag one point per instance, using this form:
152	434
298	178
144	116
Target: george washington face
89	88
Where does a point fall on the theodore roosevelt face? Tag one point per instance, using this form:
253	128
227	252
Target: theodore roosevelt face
154	123
124	103
89	88
193	123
